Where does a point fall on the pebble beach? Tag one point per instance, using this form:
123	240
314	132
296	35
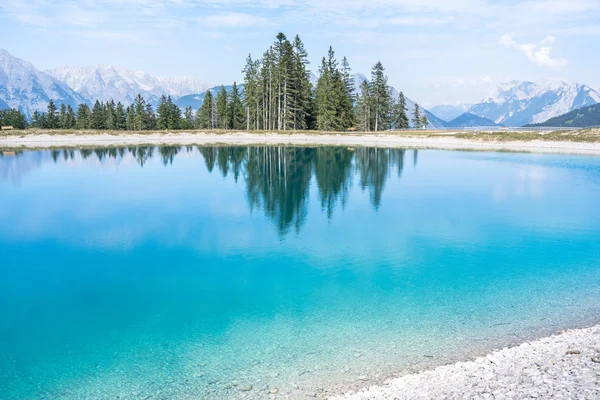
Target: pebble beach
563	366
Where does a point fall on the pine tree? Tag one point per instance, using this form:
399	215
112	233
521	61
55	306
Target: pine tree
251	93
188	118
83	116
424	121
222	107
236	110
62	117
380	96
70	120
130	118
174	114
163	111
13	117
51	116
364	107
400	117
35	120
204	117
98	116
120	117
347	106
302	87
140	118
417	117
110	111
150	117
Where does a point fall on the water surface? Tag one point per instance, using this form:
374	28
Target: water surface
200	272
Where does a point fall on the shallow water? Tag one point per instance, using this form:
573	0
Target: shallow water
226	272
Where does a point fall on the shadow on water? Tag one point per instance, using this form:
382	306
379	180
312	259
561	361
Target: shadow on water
277	178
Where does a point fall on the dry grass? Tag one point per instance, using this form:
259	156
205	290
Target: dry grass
583	135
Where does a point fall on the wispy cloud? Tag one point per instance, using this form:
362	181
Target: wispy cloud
231	20
538	53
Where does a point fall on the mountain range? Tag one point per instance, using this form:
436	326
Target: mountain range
108	82
518	103
580	118
28	89
24	87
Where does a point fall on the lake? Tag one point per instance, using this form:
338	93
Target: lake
232	272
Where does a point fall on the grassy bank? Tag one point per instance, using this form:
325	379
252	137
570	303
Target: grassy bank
584	135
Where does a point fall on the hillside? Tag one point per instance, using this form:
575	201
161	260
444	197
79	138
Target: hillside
468	120
580	118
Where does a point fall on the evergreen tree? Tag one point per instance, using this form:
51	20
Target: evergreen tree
150	117
13	117
83	116
326	107
140	117
417	117
188	120
333	100
35	120
364	107
130	118
163	110
400	117
110	113
424	121
43	121
236	110
222	107
204	117
347	106
120	117
62	117
51	116
251	93
98	116
302	87
70	120
380	97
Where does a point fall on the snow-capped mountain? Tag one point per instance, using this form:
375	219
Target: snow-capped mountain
434	122
519	103
24	87
109	82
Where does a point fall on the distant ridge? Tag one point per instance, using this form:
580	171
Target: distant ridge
580	118
468	120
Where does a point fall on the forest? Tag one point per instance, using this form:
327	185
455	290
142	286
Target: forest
276	95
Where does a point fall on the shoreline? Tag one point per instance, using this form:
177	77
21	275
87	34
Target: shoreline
441	142
563	365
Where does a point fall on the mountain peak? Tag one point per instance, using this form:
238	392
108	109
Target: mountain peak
518	103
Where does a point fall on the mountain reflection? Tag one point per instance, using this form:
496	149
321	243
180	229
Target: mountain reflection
277	178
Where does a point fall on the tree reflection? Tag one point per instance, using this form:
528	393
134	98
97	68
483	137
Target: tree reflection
333	170
277	179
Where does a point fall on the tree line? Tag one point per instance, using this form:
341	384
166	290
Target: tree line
277	95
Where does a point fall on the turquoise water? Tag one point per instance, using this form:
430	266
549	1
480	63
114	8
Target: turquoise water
226	272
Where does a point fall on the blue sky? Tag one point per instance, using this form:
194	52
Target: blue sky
436	51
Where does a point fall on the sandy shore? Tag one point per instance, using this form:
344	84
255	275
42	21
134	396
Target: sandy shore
42	141
564	366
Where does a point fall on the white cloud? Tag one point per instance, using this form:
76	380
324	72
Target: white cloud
537	53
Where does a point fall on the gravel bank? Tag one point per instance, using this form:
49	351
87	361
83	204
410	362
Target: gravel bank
244	138
564	366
